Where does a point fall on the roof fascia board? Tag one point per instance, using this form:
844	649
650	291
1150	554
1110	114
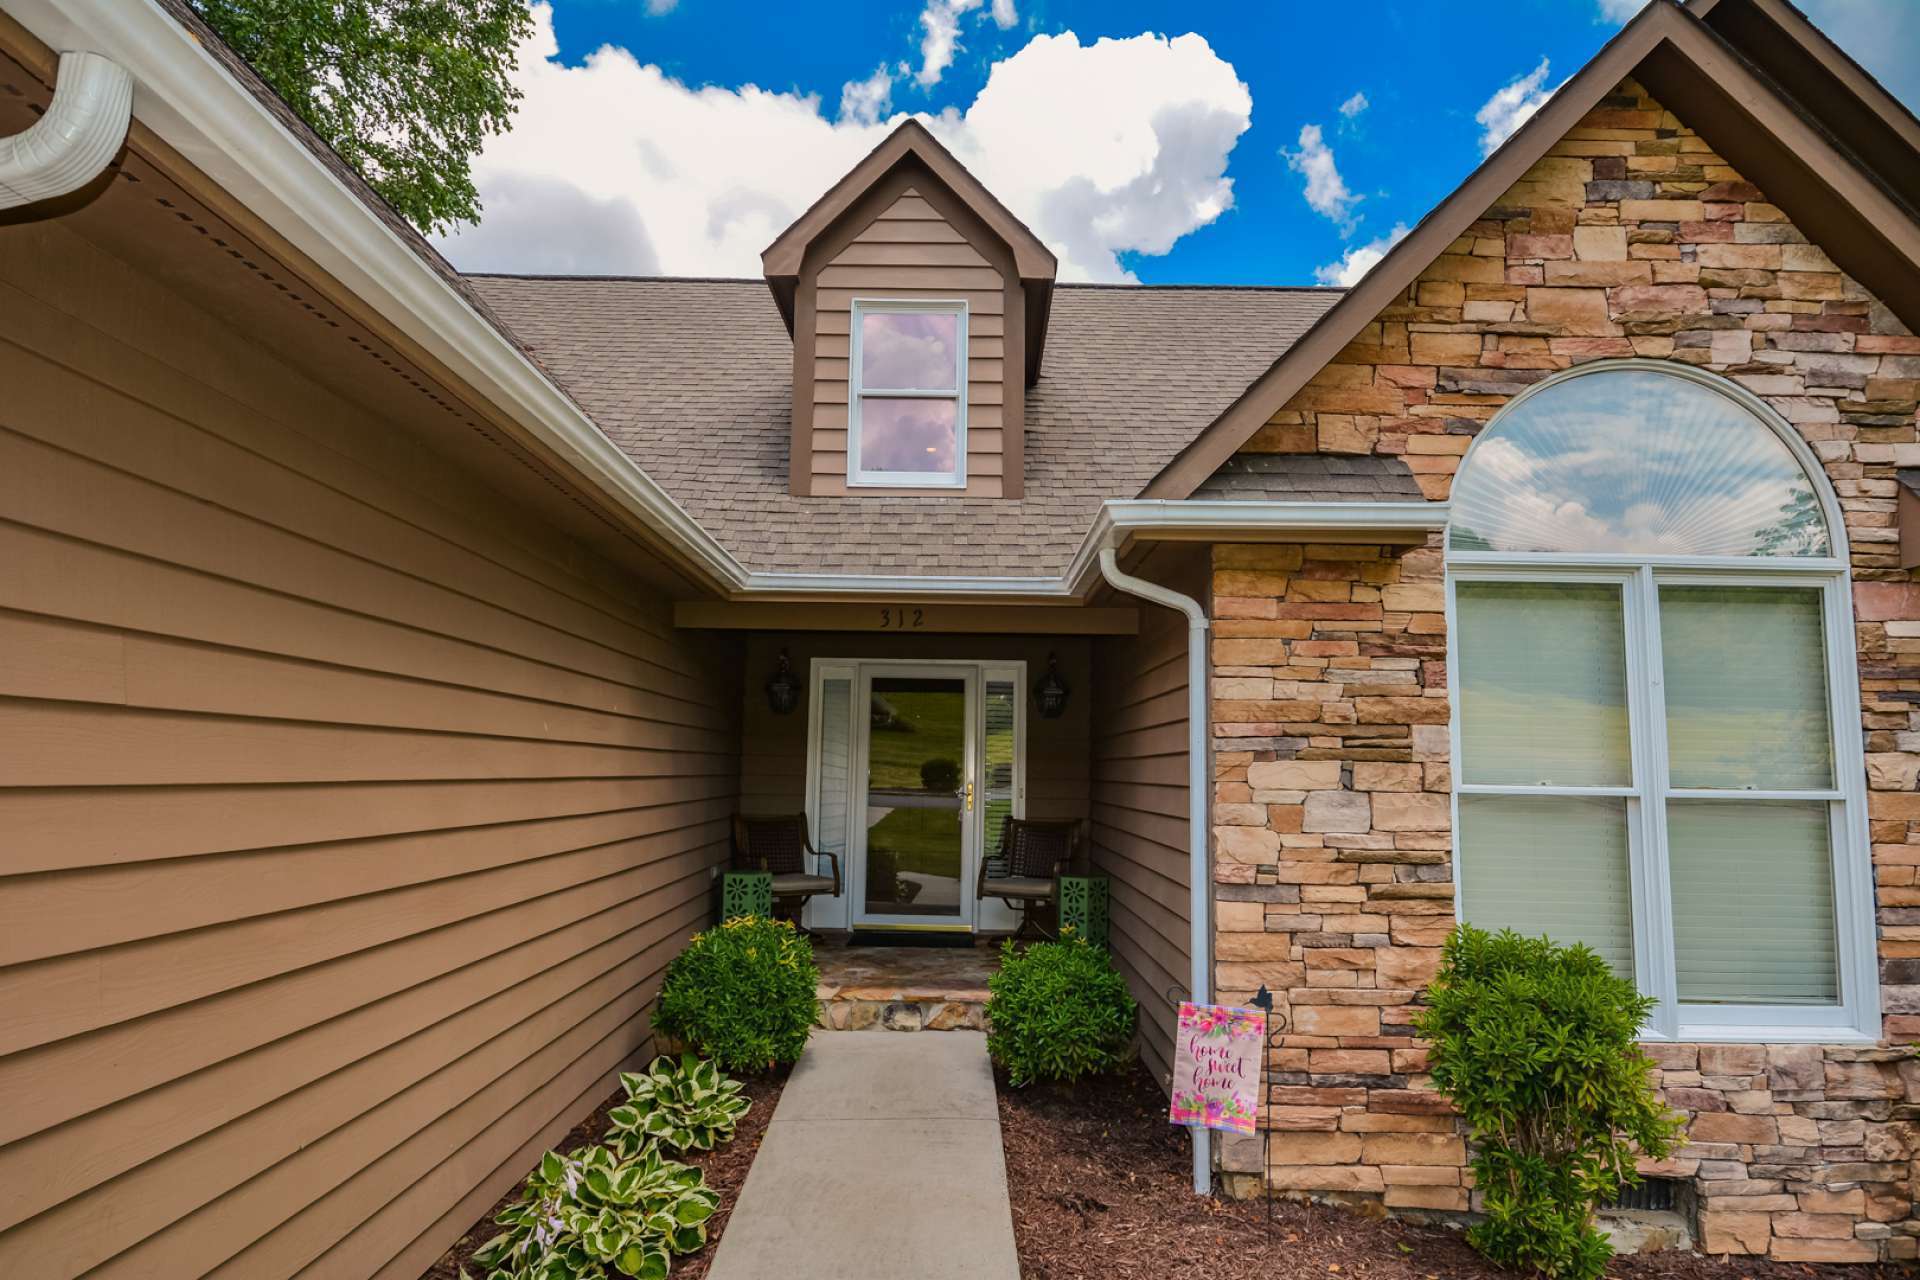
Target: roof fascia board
1405	261
190	103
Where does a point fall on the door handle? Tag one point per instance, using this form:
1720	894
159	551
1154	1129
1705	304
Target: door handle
969	797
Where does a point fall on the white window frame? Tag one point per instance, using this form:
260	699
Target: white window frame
1856	1018
856	394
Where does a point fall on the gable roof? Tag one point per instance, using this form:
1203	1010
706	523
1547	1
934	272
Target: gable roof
1033	260
914	150
1843	204
693	379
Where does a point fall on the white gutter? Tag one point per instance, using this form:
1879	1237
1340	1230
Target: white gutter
1199	859
76	139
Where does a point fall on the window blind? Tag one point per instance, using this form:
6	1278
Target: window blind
1746	678
1000	697
1543	684
1550	864
1752	902
836	763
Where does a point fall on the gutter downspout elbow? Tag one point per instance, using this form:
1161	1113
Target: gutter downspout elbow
76	139
1199	854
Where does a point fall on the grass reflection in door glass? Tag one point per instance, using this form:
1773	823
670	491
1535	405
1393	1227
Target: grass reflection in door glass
916	745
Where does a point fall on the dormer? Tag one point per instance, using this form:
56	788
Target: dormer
918	308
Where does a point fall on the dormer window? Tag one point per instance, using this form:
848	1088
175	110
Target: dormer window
907	402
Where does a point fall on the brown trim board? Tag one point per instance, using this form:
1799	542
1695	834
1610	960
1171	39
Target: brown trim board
906	618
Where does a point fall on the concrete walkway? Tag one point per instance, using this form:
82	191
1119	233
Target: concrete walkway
882	1162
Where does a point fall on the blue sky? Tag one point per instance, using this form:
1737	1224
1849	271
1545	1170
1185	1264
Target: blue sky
679	137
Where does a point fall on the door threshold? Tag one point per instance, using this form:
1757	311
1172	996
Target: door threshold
913	928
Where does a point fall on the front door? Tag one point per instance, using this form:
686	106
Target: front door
913	769
918	798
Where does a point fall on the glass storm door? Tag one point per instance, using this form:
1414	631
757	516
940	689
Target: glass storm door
912	770
919	798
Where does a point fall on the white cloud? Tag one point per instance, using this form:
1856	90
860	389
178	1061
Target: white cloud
1355	105
1106	148
1327	192
866	101
658	7
1360	259
1620	10
940	33
1503	114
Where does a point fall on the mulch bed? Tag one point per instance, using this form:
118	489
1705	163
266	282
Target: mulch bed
1101	1190
725	1167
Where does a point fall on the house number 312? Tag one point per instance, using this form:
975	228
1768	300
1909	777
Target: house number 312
902	619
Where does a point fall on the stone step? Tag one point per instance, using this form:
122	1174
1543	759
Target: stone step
939	1013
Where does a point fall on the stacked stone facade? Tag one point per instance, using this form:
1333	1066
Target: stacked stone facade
1333	862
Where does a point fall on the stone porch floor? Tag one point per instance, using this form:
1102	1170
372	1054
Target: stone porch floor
903	988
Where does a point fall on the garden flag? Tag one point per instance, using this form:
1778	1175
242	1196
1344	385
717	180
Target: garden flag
1216	1067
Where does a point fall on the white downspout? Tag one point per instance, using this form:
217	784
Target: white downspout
1199	860
74	141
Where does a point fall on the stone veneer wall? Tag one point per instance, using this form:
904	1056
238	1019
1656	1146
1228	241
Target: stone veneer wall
1333	878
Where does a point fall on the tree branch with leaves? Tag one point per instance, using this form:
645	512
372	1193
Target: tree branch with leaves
405	90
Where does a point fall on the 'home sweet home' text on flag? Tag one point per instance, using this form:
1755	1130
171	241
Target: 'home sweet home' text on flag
1216	1067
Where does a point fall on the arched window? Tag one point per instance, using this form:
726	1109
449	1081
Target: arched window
1656	728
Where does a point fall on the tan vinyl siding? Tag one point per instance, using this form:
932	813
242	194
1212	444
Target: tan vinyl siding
1139	805
350	811
910	251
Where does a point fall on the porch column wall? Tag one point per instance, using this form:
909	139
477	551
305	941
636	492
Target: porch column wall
1332	865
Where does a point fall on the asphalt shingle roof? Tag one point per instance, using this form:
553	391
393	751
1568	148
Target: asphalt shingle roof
1311	477
693	380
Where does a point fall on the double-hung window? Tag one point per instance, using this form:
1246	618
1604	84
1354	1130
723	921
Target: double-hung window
1656	727
907	398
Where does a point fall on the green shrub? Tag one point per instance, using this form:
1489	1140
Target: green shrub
1058	1011
687	1106
590	1215
743	994
1536	1045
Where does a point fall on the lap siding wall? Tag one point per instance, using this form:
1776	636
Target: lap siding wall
349	817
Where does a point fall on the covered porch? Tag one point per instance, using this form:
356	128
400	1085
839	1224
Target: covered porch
910	735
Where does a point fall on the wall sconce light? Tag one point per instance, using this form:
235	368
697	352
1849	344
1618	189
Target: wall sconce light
783	691
1050	693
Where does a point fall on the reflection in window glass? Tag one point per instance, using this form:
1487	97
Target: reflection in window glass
907	435
1551	864
1543	684
909	350
1746	679
1636	461
1752	903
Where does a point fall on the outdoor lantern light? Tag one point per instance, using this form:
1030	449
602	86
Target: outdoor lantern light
783	691
1050	694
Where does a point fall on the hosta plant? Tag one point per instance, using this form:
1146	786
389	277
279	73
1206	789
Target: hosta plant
592	1215
1536	1044
683	1106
